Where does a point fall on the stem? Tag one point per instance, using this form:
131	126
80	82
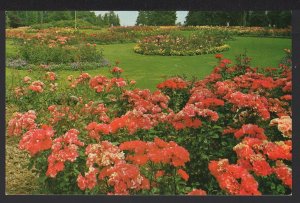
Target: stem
174	181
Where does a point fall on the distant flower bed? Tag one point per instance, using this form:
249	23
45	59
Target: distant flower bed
233	30
178	45
244	31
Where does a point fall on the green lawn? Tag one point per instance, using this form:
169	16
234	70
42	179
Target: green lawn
148	71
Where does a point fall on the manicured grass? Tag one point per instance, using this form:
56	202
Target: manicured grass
11	50
148	71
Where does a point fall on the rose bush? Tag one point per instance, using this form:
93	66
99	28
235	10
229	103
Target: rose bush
227	134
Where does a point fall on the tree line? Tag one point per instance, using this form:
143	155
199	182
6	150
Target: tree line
279	19
237	18
27	18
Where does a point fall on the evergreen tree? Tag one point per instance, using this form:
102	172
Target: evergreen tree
142	18
156	18
258	18
60	15
87	16
15	20
280	19
7	21
100	21
214	18
113	19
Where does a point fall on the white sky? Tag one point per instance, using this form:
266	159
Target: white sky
128	18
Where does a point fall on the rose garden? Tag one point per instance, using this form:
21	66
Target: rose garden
149	110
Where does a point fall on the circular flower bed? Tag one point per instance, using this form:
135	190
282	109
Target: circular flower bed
179	45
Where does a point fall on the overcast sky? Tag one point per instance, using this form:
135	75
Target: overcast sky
128	18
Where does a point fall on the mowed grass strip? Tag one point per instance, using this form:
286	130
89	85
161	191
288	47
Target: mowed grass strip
148	71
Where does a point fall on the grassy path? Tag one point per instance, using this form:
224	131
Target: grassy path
18	179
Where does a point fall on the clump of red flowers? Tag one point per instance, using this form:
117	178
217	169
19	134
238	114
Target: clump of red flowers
251	130
37	86
89	180
99	83
20	122
96	109
103	154
253	101
183	174
197	192
59	113
284	173
51	76
284	125
124	177
36	140
83	77
158	151
64	149
234	179
117	70
173	83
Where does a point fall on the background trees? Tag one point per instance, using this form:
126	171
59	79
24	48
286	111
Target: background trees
27	18
240	18
278	19
156	18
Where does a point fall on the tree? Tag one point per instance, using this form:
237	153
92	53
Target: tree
280	19
113	19
15	20
100	21
142	18
258	18
156	18
214	18
7	21
59	15
87	16
110	19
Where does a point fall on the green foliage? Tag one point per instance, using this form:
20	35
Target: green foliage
7	21
13	19
280	19
258	18
156	18
63	23
45	19
214	18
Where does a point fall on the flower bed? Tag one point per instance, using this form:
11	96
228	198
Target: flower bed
178	45
233	30
54	46
228	134
244	31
